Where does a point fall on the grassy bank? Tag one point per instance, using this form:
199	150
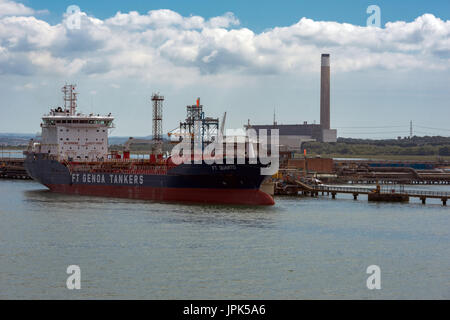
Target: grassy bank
415	148
383	157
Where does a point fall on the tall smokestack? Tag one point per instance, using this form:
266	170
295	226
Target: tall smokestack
325	92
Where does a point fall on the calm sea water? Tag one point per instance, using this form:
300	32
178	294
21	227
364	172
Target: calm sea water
307	248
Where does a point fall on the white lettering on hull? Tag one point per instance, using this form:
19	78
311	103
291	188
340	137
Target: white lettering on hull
91	178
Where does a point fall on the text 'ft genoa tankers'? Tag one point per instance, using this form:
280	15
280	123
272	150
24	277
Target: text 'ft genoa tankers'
72	157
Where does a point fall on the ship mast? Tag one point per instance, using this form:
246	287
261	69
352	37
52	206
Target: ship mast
70	98
157	100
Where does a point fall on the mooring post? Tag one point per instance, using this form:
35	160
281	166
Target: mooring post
355	196
444	201
333	195
423	200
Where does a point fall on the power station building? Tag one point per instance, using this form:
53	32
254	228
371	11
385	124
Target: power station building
292	135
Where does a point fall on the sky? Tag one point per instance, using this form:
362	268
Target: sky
249	58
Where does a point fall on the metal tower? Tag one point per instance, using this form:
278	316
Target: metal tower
197	126
157	121
70	98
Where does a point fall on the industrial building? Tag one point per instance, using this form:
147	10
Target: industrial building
292	135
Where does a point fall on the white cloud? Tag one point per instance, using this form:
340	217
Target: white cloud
165	45
225	21
165	18
26	86
11	8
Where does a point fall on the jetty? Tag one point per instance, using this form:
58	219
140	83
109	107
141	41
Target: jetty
385	193
11	166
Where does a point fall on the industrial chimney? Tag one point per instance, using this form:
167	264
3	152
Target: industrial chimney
325	92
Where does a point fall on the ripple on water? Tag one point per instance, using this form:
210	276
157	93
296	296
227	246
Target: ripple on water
314	248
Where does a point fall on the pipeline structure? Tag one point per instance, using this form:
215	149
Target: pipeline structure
12	168
378	194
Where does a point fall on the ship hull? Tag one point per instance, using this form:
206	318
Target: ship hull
186	195
217	184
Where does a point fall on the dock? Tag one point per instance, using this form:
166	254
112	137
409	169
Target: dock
292	184
385	193
392	172
13	168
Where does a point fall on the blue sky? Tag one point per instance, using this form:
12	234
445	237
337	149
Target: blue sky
257	15
244	57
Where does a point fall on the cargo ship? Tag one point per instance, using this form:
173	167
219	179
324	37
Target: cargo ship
72	157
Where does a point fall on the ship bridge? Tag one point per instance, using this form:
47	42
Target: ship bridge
69	135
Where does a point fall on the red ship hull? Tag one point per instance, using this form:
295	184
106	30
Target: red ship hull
187	195
161	182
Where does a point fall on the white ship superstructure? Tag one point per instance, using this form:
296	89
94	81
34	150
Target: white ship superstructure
74	136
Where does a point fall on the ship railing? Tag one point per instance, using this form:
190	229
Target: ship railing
343	189
115	161
428	193
402	190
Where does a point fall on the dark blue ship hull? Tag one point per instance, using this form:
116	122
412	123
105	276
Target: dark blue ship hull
198	183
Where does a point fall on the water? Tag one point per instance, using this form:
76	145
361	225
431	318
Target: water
308	248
